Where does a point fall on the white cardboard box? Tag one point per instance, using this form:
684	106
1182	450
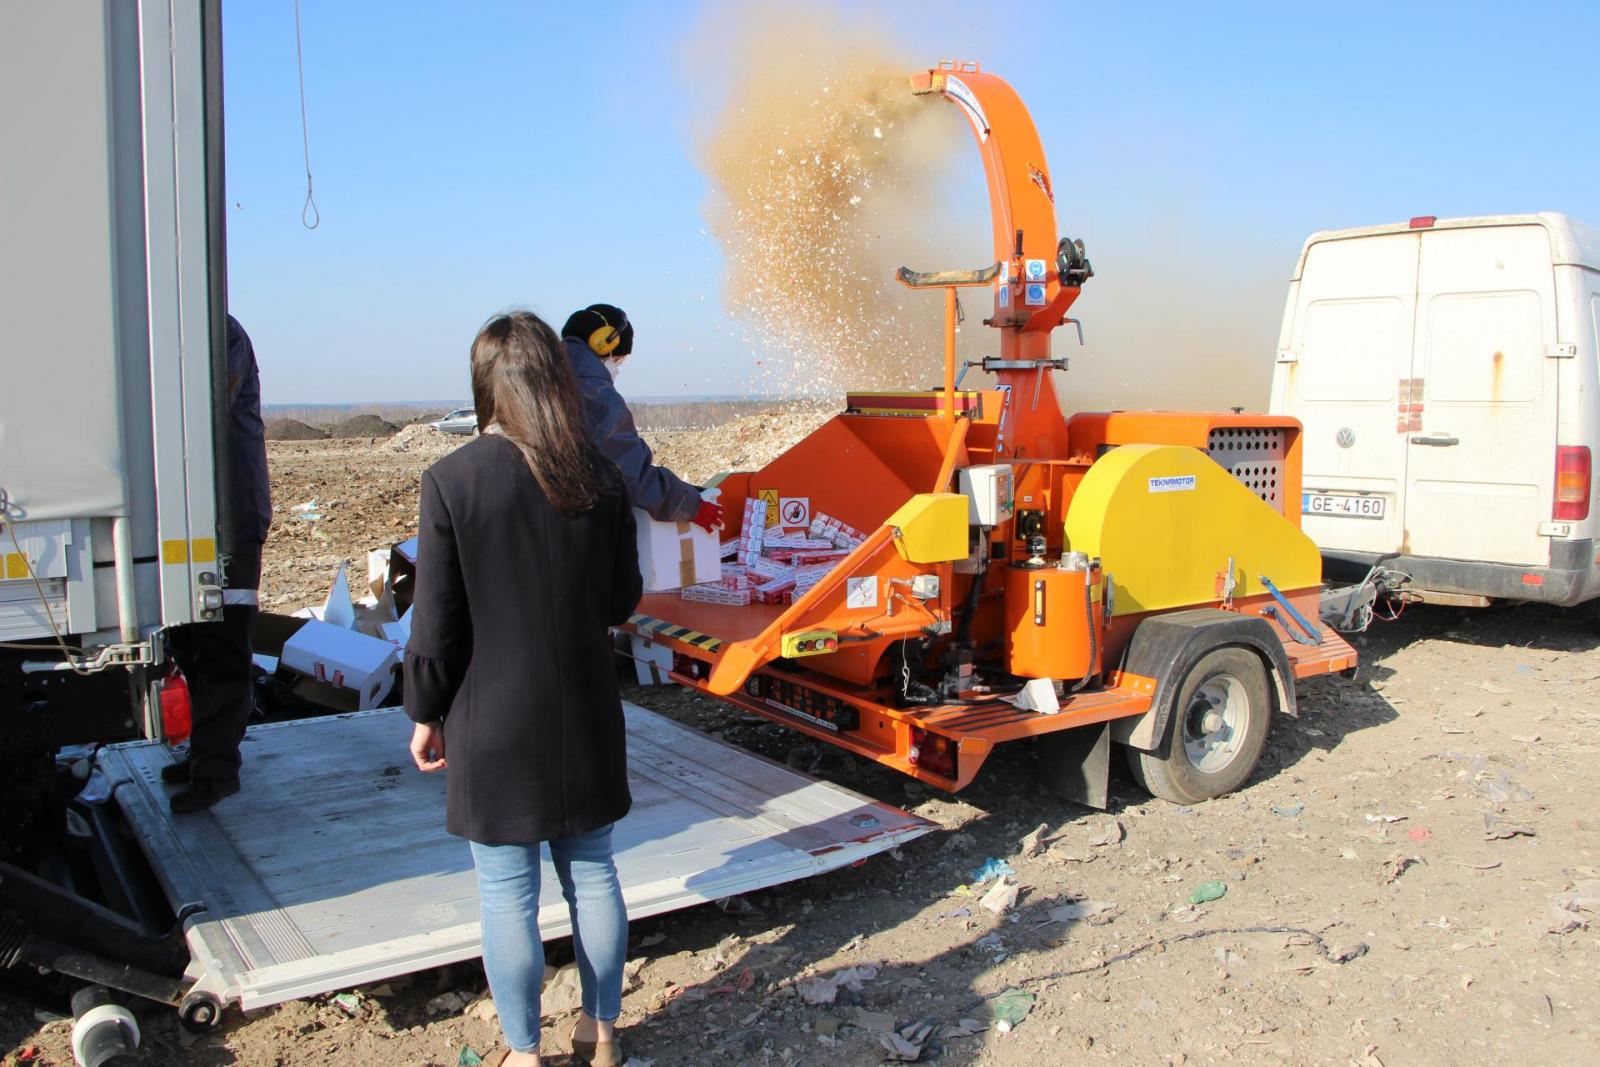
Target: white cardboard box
354	672
675	554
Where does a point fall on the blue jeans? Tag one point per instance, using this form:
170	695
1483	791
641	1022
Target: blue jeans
513	953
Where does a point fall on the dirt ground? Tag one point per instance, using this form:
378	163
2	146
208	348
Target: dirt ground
1412	877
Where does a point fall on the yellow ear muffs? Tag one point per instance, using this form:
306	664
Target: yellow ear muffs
605	340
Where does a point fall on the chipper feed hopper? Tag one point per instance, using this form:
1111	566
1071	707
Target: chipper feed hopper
1000	572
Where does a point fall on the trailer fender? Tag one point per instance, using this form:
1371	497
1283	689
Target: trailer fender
1164	647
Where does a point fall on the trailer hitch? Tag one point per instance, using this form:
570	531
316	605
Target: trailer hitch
1308	635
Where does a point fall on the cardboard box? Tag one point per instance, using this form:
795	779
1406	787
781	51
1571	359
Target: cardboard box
403	574
340	668
675	554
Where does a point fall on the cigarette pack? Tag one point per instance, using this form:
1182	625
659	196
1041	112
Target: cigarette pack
753	530
716	593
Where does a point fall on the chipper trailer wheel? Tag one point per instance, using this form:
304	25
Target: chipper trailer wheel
1216	733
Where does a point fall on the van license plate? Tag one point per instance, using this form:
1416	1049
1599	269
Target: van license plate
1350	507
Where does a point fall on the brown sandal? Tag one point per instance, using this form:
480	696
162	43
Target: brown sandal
596	1053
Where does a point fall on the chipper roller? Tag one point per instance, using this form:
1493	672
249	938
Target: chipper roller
1128	578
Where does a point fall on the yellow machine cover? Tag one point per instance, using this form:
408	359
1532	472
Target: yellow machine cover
1165	519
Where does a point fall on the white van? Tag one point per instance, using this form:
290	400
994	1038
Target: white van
1448	377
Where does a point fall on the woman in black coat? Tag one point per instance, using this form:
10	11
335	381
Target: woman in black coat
526	556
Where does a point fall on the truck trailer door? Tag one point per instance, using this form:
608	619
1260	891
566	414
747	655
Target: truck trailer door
1481	465
1346	374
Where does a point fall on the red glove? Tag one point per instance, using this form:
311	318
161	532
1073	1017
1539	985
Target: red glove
708	516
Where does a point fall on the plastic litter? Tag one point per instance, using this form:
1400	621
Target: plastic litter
1010	1008
310	511
1288	811
1002	897
1083	911
348	1003
991	868
468	1058
1206	892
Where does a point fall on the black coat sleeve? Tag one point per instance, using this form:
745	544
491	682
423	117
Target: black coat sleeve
627	585
441	628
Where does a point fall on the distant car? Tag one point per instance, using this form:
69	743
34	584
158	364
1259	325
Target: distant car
462	420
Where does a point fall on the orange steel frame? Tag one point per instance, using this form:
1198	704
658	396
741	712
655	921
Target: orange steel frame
859	467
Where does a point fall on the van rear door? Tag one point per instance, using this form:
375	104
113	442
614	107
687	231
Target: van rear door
1346	363
1481	465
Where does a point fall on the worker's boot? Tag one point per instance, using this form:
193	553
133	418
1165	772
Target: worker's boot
177	773
201	793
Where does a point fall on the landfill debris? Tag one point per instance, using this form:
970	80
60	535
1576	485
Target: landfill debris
1010	1008
1002	897
447	1003
1571	910
994	945
1420	834
1032	843
737	906
348	1003
1346	953
1496	828
1396	865
991	868
1288	811
1187	913
824	989
877	1022
1093	912
906	1044
310	511
652	940
468	1058
1206	892
485	1011
1501	789
1106	833
962	1028
1386	818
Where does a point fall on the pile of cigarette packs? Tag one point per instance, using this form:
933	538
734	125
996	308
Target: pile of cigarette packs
776	565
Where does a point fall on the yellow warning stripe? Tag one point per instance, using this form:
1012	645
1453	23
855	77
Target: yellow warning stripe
662	628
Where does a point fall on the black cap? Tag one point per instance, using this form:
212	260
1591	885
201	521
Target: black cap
581	324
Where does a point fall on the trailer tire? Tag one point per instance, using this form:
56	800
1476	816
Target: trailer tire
1216	732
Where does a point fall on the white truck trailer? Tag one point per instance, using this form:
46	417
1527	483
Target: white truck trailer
331	867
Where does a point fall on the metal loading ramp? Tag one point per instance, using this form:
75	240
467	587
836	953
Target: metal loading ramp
332	868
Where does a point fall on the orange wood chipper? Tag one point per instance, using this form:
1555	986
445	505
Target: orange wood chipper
1128	578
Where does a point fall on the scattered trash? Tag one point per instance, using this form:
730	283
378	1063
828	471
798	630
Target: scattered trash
906	1044
1568	910
1032	843
962	1028
1348	854
446	1004
1188	913
737	906
1497	690
1289	811
824	989
1350	952
485	1011
1010	1008
307	512
1002	897
652	940
1396	865
1501	789
348	1003
992	868
1420	834
877	1022
1093	912
1386	818
468	1058
1496	828
1108	832
1206	892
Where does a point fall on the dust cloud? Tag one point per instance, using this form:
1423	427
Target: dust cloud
826	174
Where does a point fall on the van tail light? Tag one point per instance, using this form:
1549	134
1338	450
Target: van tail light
932	753
176	722
1573	473
1423	222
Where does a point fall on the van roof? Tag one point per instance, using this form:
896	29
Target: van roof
1572	243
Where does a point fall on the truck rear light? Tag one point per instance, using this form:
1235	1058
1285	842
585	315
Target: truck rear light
1422	222
176	721
1573	474
933	753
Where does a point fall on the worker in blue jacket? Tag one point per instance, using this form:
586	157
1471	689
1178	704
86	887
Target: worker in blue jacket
599	339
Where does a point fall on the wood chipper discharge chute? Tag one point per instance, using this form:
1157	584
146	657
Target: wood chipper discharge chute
931	574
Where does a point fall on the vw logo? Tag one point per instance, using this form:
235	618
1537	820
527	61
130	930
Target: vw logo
1346	437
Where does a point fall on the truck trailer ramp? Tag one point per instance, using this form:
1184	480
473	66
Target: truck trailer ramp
331	867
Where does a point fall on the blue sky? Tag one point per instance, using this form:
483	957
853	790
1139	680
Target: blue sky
474	156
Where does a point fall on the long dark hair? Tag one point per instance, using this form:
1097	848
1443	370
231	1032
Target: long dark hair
523	384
